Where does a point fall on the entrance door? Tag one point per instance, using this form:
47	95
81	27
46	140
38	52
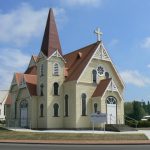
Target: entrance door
24	117
111	110
24	114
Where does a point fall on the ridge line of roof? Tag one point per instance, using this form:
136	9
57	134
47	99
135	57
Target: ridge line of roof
81	48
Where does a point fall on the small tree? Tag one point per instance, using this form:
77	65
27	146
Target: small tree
138	110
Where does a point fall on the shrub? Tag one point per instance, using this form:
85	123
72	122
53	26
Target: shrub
144	124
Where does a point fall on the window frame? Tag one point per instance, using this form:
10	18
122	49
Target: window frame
66	112
83	104
41	110
94	76
41	89
55	69
42	70
56	110
56	89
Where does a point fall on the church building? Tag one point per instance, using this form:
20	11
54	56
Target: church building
61	91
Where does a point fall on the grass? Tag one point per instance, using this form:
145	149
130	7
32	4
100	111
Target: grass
13	135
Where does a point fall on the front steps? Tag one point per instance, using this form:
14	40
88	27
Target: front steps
119	128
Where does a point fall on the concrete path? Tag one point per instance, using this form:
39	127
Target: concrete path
146	132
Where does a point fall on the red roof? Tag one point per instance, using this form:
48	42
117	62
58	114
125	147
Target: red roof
77	61
51	39
19	77
8	100
31	82
32	70
101	87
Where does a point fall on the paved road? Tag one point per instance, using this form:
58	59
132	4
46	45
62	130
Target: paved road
71	147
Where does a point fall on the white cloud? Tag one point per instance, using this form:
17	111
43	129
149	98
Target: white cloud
135	78
94	3
11	60
19	26
146	43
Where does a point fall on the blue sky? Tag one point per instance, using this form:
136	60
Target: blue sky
126	35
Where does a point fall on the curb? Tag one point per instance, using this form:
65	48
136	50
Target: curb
54	142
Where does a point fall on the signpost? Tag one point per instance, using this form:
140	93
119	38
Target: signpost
98	118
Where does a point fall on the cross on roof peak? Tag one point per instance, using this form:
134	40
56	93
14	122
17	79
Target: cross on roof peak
98	33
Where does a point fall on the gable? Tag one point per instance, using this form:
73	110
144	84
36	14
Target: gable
32	61
100	58
14	81
112	88
101	54
56	54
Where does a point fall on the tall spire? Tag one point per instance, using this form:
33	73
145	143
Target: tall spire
50	41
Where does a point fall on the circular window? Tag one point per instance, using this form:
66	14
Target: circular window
100	70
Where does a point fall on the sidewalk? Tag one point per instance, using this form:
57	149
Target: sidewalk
146	132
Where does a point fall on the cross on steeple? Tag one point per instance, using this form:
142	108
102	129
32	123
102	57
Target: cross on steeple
98	33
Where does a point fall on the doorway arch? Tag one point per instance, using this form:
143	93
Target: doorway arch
24	113
111	106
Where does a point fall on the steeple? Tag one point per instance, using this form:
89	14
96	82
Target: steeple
50	41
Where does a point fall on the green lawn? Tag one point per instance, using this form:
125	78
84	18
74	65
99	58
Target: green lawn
6	134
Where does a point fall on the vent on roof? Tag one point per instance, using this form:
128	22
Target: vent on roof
79	55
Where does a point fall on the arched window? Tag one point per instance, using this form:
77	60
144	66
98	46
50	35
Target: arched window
83	104
66	105
41	89
107	75
111	100
41	110
56	107
95	107
42	70
94	72
56	86
55	69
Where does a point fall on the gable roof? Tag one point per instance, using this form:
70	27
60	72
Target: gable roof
77	61
35	58
101	87
3	95
18	77
31	82
8	100
32	70
50	41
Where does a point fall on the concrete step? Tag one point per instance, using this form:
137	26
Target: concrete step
119	128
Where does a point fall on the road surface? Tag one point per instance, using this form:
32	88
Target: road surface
7	146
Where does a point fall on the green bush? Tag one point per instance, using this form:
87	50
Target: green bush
2	122
144	124
131	123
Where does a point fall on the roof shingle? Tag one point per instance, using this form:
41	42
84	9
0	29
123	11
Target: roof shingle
77	61
31	82
101	87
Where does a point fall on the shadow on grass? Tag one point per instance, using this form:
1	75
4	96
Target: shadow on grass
3	129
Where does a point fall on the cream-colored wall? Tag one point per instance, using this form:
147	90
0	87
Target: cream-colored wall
49	121
88	89
10	110
42	121
34	112
86	77
70	90
55	122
